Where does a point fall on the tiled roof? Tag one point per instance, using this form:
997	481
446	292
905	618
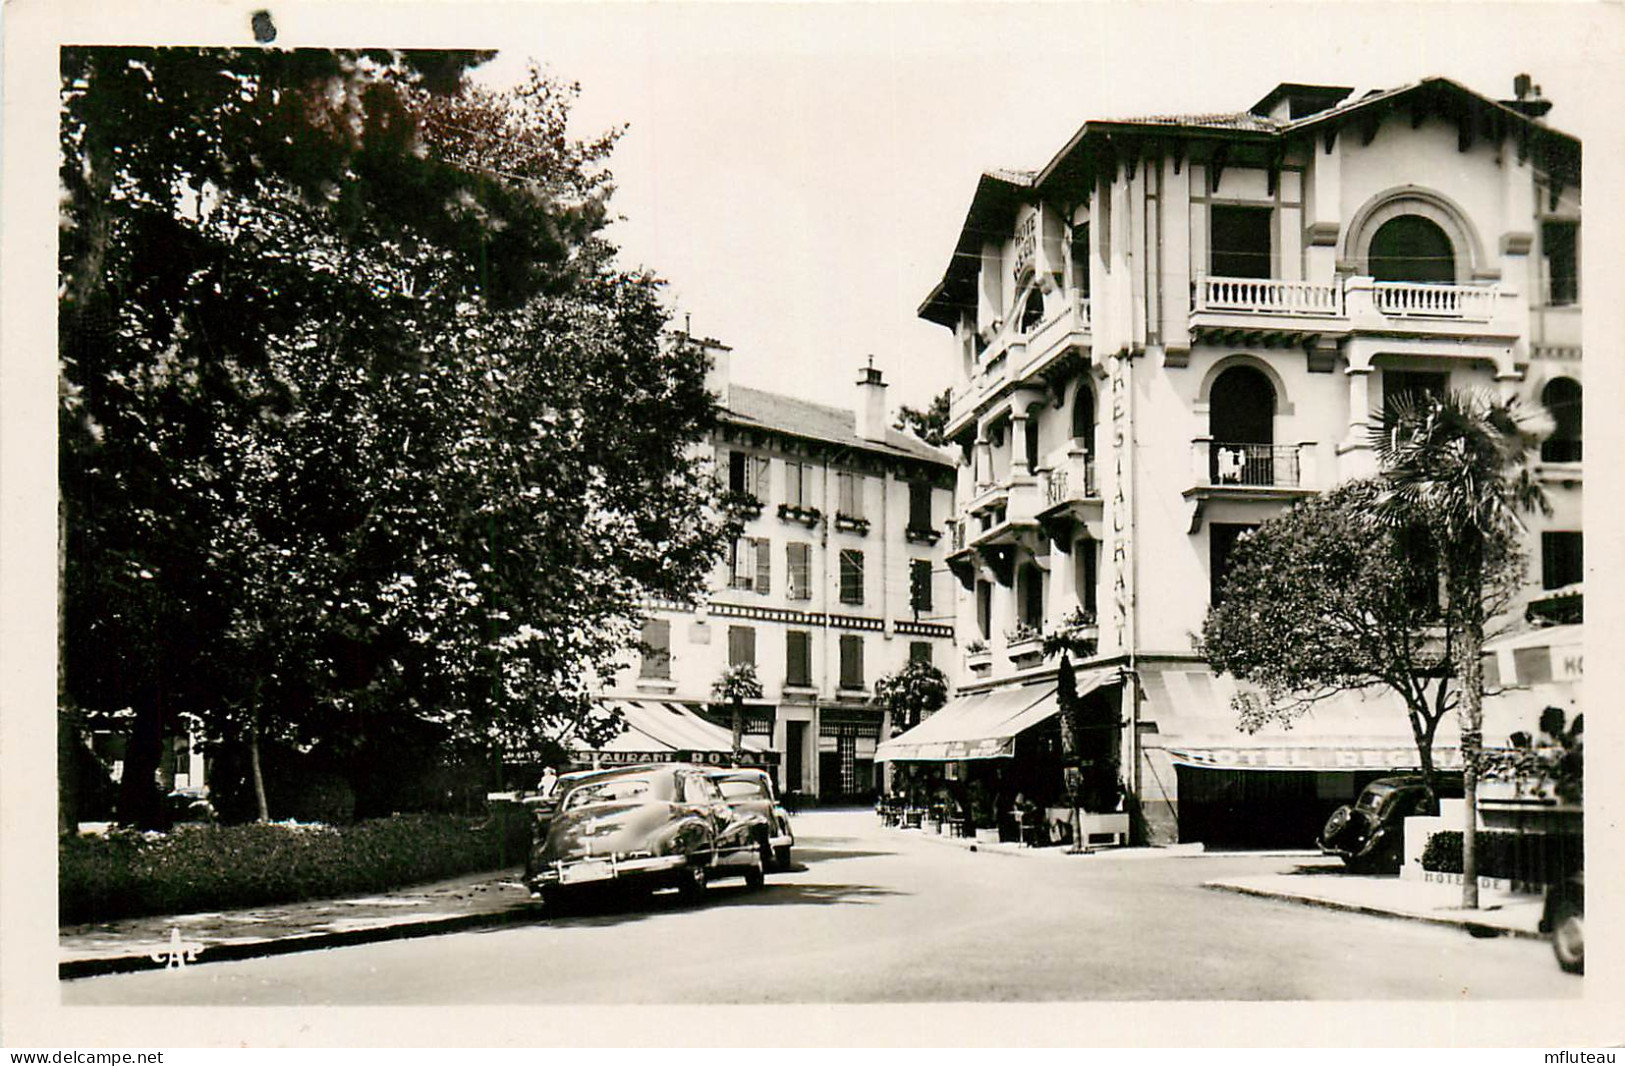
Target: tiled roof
803	418
1013	177
1228	120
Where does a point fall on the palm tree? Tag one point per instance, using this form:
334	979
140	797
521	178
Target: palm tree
1459	463
737	684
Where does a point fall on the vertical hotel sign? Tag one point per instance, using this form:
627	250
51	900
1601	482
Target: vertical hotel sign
1122	500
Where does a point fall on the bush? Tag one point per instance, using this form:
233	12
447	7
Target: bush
1529	857
207	867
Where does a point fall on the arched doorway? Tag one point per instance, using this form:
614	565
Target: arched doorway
1411	248
1083	418
1241	421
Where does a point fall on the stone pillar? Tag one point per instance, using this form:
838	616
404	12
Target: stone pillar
1354	455
982	462
1021	464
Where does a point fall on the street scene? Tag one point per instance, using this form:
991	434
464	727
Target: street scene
935	921
543	526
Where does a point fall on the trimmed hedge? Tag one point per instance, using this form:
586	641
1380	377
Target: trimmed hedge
206	868
1529	857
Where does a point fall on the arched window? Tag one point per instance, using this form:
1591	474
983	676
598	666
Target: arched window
1032	313
1083	417
1079	251
1241	421
1411	248
1030	440
1562	398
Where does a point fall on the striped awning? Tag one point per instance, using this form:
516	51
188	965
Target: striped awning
983	725
664	731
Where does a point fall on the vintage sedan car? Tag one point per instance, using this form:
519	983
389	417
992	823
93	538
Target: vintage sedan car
1564	917
753	790
658	825
1370	834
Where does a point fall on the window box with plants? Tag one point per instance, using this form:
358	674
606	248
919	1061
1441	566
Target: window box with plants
807	516
845	523
922	535
741	504
1024	642
978	659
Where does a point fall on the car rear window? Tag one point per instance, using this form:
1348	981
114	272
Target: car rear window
743	789
612	791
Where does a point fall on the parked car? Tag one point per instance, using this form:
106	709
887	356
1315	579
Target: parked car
661	825
1370	834
1564	917
754	791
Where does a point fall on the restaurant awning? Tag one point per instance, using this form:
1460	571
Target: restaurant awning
983	725
1536	657
662	731
1192	719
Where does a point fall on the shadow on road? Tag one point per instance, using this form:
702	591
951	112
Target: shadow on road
615	905
817	855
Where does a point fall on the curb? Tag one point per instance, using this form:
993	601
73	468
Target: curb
69	969
1173	851
1476	929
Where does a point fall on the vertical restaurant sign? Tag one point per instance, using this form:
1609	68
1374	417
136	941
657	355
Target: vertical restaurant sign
1122	496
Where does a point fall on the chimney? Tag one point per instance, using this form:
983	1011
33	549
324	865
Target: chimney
1527	98
871	410
716	372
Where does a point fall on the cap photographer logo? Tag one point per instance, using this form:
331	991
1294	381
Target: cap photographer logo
177	953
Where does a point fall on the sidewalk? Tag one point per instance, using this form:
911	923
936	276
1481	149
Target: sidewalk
470	902
1323	882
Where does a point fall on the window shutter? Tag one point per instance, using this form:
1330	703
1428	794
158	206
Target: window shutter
919	651
759	478
919	505
851	575
656	638
799	571
851	661
919	592
742	568
798	658
764	564
741	645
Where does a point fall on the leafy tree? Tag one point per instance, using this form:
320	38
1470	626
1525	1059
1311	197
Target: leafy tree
914	691
1460	465
362	428
737	684
1326	598
931	424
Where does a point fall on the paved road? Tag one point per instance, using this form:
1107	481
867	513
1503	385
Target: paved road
879	915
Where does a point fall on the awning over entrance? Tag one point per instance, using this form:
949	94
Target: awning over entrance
983	725
1554	654
1197	726
658	731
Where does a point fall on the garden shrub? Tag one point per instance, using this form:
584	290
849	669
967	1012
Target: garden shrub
1537	857
207	867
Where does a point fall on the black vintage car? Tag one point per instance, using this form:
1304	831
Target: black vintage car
1564	917
654	826
1370	834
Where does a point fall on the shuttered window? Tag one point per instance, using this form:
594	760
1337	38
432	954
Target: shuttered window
750	564
919	586
798	572
851	575
656	646
919	505
849	495
851	660
919	651
798	484
748	474
741	645
798	658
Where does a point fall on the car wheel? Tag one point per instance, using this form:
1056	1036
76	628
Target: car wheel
781	858
756	876
764	857
551	901
1568	936
1339	827
692	885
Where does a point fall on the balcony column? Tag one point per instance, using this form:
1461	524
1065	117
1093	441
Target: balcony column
1021	464
982	460
1354	455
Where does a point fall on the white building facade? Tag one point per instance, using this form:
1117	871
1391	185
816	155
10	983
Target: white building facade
836	580
1183	324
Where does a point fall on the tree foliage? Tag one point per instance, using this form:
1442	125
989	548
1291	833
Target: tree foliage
914	691
1460	465
1326	598
931	424
363	431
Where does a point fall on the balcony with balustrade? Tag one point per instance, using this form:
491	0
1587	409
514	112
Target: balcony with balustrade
1279	313
1014	355
1271	473
1071	499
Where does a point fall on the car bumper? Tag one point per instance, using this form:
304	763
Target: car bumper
608	868
784	840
